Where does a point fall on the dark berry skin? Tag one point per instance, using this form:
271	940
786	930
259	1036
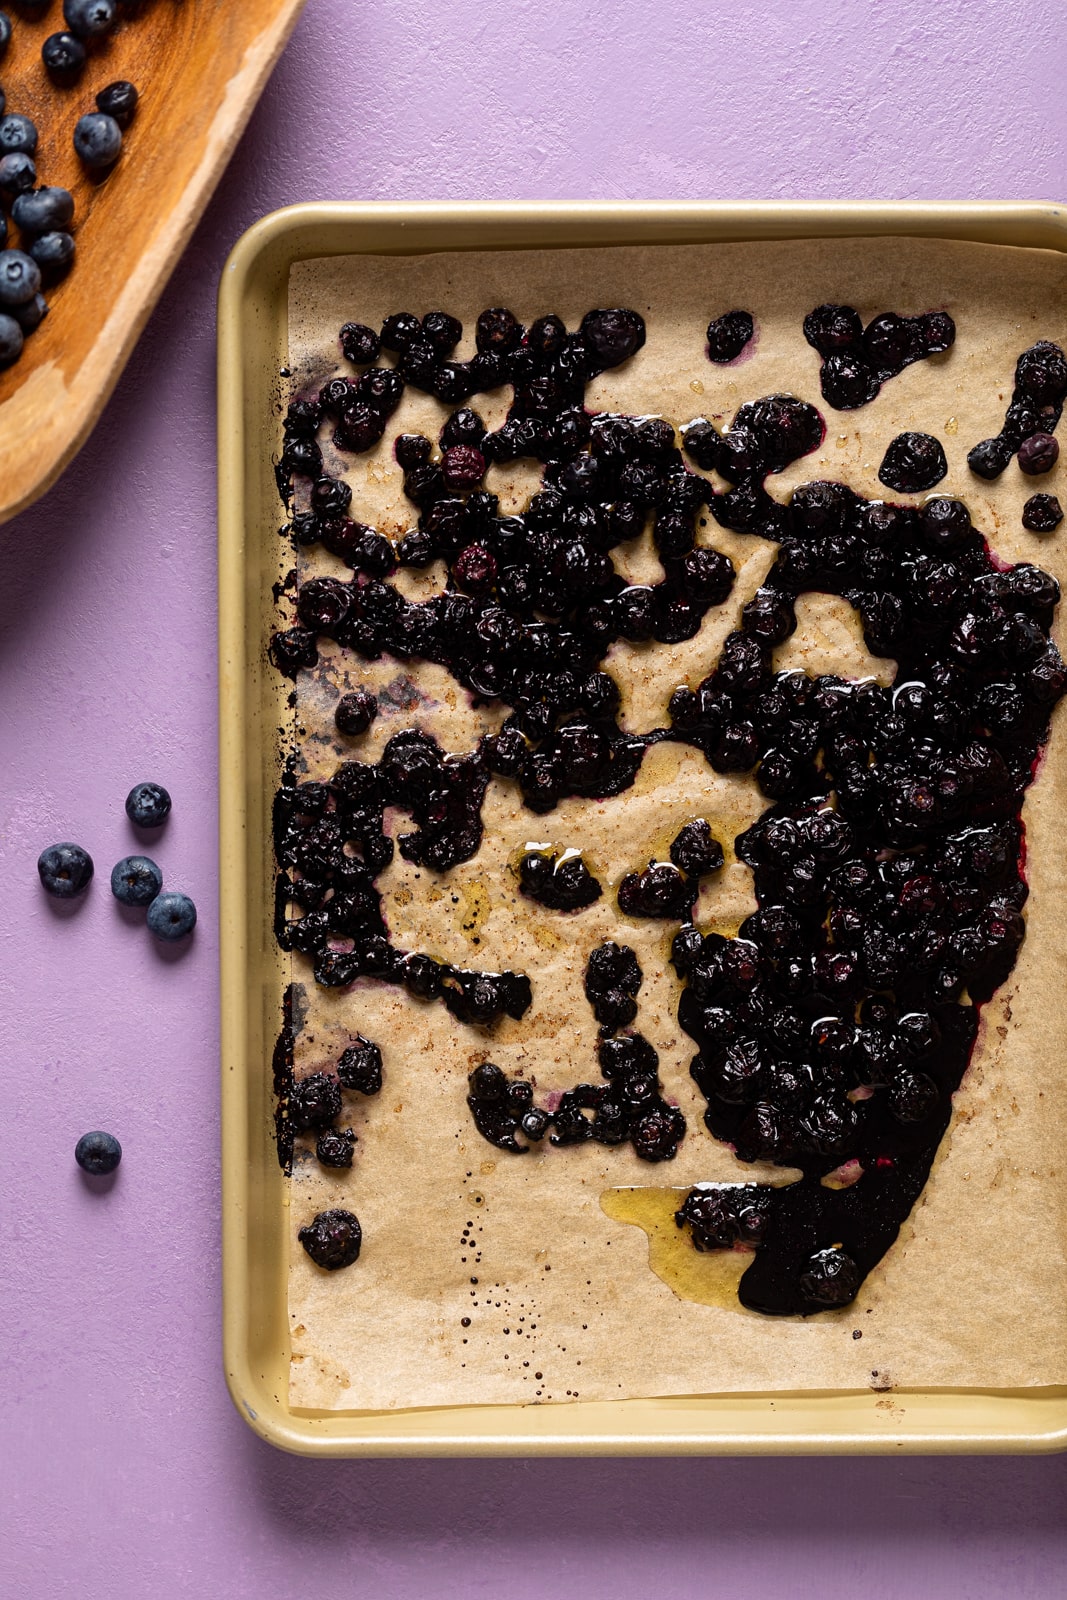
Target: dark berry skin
333	1239
831	1278
119	100
65	870
560	885
360	1066
1038	454
696	850
135	881
1042	513
497	331
355	712
335	1147
728	335
314	1101
614	335
97	140
831	328
98	1153
64	58
360	344
913	462
989	457
659	891
18	174
148	805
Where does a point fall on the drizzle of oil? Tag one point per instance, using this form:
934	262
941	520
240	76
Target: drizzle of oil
710	1278
475	906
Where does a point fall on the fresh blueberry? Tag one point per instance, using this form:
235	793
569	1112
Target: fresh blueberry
65	870
89	19
53	253
46	210
18	173
5	31
17	133
171	915
118	100
148	805
97	140
64	59
20	278
98	1153
11	340
135	881
32	314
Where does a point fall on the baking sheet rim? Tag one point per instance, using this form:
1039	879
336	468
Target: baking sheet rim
252	301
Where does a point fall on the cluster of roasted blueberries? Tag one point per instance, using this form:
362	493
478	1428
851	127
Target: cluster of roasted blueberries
857	360
833	1030
627	1106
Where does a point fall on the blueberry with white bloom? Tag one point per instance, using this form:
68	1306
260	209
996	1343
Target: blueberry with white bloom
97	140
17	133
32	314
98	1153
135	881
10	340
18	172
53	253
89	19
43	210
171	915
20	278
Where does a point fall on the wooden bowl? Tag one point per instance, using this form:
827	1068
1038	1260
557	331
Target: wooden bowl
200	66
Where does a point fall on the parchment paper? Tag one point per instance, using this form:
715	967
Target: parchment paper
561	1301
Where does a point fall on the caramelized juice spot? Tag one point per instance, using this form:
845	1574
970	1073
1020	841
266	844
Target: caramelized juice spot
711	1278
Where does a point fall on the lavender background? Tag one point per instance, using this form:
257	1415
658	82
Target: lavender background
124	1469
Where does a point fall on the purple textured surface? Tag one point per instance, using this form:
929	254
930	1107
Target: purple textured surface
124	1468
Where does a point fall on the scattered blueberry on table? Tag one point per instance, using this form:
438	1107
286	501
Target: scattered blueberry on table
98	1153
54	254
17	133
148	805
5	32
171	916
18	173
136	881
65	870
46	210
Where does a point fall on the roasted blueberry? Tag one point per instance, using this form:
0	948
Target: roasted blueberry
830	328
360	344
355	712
696	850
314	1101
1037	454
1042	513
613	335
148	805
65	870
171	915
913	462
135	881
98	1153
333	1239
335	1147
659	891
989	457
831	1278
360	1066
728	335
